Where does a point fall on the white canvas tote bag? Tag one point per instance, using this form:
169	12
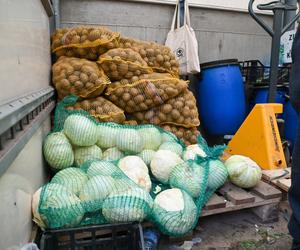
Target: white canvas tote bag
183	42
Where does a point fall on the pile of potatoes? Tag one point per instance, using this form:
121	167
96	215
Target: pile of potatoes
100	108
84	42
121	64
158	57
78	77
181	111
187	135
146	93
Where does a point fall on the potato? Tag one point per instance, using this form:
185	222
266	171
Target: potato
101	109
93	77
175	114
166	108
149	115
139	99
84	77
80	82
78	85
126	97
93	38
131	103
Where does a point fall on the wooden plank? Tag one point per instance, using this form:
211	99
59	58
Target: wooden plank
270	175
236	195
230	207
215	201
266	191
285	184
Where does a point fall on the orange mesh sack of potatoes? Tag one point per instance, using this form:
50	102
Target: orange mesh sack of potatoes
123	64
157	56
100	108
79	77
187	135
84	42
145	93
180	111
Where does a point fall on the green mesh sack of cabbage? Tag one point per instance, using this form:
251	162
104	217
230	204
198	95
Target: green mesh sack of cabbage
54	206
209	156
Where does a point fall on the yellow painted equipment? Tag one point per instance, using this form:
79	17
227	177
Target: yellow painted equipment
258	137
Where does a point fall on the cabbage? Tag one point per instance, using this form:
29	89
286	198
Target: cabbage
192	151
169	137
107	136
135	169
95	191
35	209
58	151
54	206
151	137
172	146
71	178
102	168
175	212
83	154
189	177
112	154
243	171
129	141
80	130
163	163
146	155
218	174
126	206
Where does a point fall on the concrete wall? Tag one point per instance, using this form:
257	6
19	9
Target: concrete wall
221	34
25	65
24	48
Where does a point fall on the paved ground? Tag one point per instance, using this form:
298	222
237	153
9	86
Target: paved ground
238	231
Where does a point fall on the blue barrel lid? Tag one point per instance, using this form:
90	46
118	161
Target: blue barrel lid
219	63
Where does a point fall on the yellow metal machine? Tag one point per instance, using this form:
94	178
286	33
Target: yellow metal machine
258	137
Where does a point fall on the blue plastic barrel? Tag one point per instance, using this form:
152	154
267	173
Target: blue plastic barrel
261	96
221	97
290	117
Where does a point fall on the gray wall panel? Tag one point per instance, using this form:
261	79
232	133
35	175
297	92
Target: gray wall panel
25	61
220	34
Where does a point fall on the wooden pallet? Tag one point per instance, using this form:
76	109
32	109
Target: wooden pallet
280	178
263	199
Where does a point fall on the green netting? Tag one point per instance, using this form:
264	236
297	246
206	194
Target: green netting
146	155
93	219
95	191
171	217
172	146
118	191
58	151
100	167
71	178
189	176
84	154
134	204
112	154
217	170
182	221
58	207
